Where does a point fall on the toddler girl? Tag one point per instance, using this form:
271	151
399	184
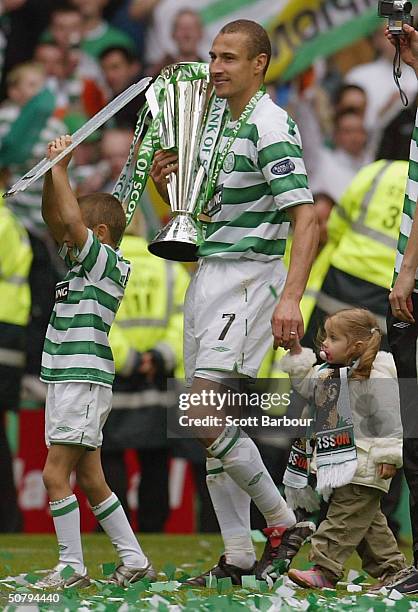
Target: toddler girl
358	447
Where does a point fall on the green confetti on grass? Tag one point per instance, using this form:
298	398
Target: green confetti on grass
108	568
32	578
328	593
249	582
224	585
107	591
262	586
169	570
258	602
281	565
359	579
258	536
160	587
67	572
23	589
312	599
211	582
402	605
112	606
141	586
131	596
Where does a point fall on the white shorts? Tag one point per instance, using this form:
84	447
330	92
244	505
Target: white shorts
227	315
75	413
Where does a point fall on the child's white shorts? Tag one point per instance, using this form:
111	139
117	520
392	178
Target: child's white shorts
227	315
75	413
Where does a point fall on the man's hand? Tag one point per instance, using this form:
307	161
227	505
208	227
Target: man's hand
408	45
386	470
287	323
400	297
57	146
164	163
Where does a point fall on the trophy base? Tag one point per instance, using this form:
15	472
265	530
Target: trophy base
177	241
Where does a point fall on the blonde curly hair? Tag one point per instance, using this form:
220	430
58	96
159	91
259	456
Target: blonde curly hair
358	325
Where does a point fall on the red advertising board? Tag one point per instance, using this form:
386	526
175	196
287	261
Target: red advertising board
33	501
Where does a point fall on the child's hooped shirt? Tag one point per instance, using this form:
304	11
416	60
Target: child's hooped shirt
76	347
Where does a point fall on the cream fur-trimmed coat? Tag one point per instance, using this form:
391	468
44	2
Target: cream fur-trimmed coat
375	411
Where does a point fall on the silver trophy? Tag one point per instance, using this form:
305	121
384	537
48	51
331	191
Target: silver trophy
182	120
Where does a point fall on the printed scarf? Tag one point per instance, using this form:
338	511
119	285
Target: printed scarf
331	433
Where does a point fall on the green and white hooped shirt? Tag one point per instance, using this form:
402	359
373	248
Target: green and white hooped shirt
263	174
76	345
410	205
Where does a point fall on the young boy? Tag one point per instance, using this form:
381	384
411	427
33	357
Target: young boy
78	366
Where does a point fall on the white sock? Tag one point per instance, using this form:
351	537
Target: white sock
114	521
232	509
66	516
241	459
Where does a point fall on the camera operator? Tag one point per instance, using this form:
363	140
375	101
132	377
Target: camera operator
403	319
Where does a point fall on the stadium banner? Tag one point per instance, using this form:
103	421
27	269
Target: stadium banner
300	30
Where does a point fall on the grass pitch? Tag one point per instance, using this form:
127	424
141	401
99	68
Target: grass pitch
175	557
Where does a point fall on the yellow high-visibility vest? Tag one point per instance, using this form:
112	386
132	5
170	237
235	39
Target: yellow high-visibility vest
151	313
15	263
364	226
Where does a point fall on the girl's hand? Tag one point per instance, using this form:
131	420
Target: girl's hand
386	470
295	346
57	146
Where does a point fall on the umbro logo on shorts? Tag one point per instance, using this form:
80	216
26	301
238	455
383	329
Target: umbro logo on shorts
256	478
401	324
61	291
220	349
65	428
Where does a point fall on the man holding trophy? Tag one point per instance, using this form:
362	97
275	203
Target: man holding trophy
235	183
255	184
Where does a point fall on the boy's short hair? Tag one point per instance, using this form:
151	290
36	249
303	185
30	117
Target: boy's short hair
18	72
104	208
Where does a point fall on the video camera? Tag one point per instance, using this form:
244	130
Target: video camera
397	12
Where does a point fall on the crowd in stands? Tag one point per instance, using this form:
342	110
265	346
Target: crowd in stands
60	63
